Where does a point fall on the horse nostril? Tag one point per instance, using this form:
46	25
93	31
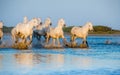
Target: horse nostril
64	25
50	23
40	23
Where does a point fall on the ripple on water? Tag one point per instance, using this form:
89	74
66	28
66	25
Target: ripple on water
98	59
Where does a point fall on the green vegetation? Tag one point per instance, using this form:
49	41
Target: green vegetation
99	29
104	30
67	29
7	29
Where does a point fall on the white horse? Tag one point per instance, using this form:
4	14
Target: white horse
25	30
42	29
15	35
56	33
81	32
1	32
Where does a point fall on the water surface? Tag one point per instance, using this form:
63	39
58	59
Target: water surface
99	59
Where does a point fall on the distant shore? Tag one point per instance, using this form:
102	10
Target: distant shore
104	34
98	34
88	34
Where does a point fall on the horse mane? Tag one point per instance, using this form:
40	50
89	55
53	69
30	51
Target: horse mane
86	26
1	24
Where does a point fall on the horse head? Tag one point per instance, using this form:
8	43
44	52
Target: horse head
61	22
48	21
35	21
25	19
90	26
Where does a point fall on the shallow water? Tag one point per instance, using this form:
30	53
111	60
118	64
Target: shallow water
99	59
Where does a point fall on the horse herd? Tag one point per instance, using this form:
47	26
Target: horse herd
35	28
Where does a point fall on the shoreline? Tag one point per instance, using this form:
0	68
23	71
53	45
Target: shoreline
104	34
88	34
98	34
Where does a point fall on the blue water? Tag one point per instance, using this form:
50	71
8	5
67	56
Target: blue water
99	59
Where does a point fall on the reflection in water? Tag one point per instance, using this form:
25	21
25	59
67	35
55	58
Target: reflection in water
32	63
1	57
24	59
100	59
56	60
60	60
43	60
78	62
82	62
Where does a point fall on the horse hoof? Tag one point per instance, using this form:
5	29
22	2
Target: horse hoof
20	45
83	46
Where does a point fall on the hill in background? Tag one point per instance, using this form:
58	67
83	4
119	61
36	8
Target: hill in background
7	29
98	29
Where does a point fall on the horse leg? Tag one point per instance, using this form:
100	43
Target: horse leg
16	40
0	38
47	39
74	38
85	42
58	41
39	37
30	39
24	40
53	42
73	43
71	40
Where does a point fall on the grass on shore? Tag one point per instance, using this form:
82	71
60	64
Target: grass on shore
99	29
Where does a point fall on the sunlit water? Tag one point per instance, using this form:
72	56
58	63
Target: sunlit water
99	59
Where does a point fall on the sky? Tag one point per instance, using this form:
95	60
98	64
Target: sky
74	12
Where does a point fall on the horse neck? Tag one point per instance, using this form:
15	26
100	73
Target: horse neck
85	28
30	25
59	26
